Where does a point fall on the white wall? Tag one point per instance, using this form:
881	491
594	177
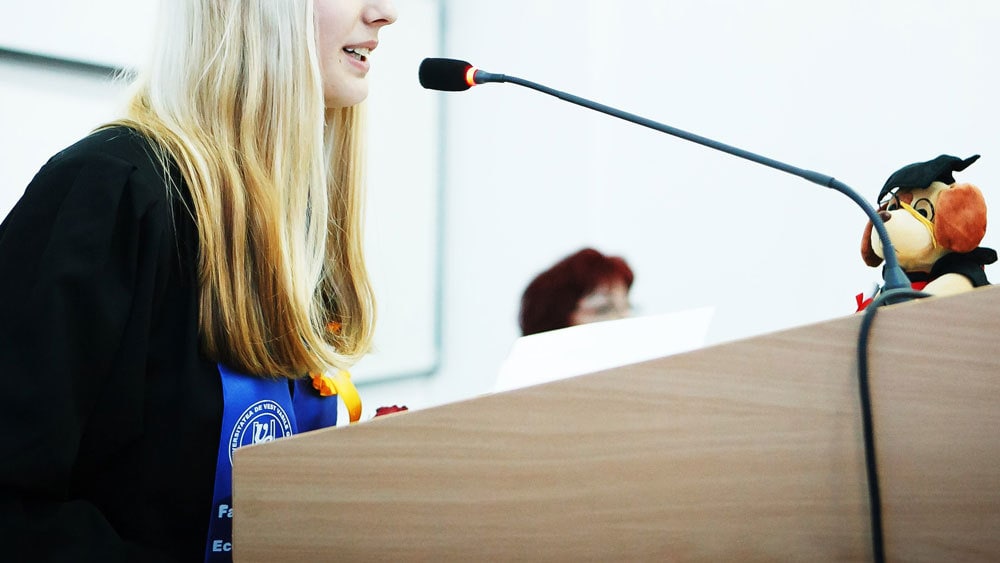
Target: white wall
854	89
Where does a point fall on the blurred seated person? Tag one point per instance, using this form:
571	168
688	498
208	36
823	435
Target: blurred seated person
585	287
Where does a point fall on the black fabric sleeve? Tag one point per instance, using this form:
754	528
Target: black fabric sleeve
73	271
968	264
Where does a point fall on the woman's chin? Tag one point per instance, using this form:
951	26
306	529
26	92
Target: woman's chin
347	96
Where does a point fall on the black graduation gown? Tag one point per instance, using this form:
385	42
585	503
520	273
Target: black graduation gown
110	414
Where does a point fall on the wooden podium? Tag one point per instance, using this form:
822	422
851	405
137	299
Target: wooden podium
746	451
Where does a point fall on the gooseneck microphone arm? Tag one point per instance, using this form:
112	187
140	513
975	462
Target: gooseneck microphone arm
455	75
439	74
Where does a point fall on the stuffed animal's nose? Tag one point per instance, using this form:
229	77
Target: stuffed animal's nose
885	216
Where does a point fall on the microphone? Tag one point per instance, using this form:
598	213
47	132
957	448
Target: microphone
453	75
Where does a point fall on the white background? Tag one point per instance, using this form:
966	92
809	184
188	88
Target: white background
854	89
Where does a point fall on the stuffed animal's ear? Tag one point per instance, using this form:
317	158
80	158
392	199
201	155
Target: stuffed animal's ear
960	218
867	252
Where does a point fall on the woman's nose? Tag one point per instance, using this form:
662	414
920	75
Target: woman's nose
380	13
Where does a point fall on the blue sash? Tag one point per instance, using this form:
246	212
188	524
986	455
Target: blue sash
257	410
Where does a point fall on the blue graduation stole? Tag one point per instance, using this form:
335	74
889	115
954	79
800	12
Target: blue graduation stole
257	410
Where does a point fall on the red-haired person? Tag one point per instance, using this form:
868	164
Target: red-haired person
584	287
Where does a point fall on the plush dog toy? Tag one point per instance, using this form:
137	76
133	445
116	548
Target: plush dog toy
935	225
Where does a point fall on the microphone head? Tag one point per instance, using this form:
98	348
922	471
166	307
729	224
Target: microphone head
449	75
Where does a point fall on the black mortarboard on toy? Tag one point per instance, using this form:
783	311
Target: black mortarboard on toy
922	174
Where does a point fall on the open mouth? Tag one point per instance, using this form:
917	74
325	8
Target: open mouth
359	53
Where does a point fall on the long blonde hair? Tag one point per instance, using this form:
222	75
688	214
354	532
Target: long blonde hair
234	97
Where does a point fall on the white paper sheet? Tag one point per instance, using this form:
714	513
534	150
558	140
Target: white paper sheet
558	354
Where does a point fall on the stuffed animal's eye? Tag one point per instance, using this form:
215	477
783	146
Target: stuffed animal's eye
889	202
924	207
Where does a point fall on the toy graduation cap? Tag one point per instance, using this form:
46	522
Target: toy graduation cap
922	174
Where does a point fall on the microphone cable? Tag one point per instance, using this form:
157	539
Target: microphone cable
864	391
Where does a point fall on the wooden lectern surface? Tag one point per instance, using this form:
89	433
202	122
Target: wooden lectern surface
745	451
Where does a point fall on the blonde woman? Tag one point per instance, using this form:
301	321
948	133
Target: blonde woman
171	281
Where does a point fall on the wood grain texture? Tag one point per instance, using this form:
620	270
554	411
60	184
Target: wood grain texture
748	451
